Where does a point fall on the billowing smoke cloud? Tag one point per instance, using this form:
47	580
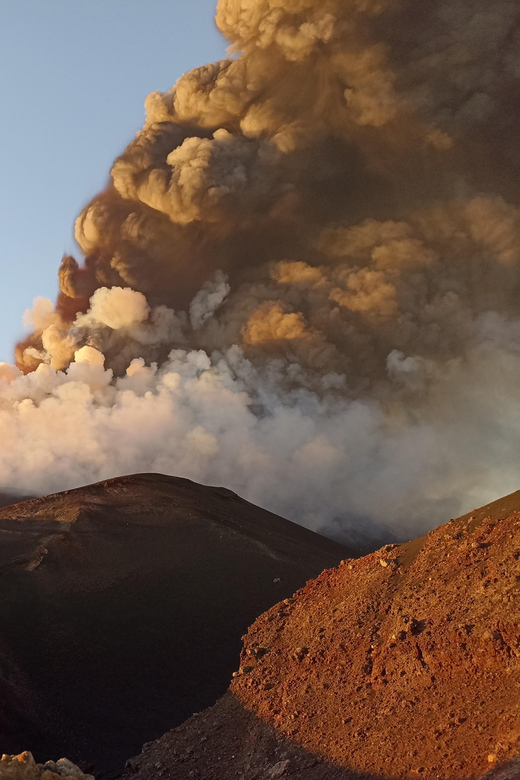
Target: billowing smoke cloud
303	280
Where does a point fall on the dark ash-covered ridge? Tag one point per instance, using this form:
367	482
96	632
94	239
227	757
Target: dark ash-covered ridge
122	605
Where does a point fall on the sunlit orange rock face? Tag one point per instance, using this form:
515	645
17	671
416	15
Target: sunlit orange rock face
405	663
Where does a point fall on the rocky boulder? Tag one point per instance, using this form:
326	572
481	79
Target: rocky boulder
24	767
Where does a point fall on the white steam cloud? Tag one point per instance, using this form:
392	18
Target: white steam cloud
303	280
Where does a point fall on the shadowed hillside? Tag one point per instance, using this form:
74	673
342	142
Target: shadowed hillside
8	498
122	606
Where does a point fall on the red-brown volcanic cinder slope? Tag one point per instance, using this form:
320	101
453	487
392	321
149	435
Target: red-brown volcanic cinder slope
405	663
122	607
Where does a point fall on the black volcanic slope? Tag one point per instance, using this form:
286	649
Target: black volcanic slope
122	607
9	498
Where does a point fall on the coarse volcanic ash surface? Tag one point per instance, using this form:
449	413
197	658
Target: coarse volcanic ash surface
402	664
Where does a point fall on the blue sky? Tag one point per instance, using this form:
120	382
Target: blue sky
75	74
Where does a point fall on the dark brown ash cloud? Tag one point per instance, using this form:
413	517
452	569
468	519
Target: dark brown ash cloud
324	229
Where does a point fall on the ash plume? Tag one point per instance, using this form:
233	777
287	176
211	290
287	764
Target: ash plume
302	281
